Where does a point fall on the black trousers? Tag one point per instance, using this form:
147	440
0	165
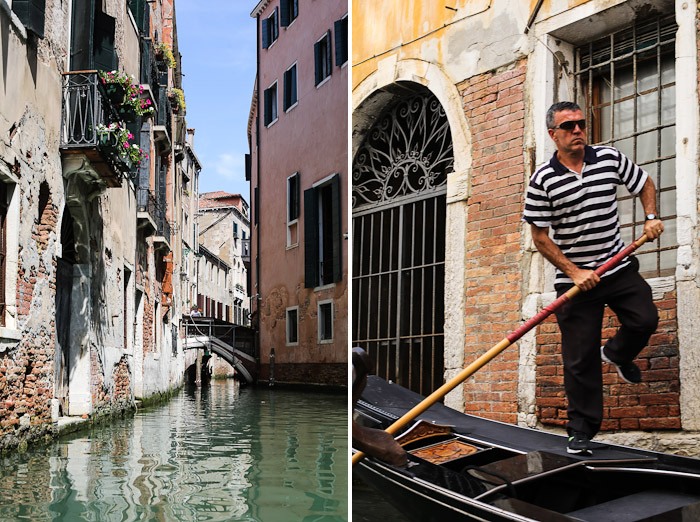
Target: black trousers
580	320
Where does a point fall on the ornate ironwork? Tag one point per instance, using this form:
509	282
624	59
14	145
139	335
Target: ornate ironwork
408	151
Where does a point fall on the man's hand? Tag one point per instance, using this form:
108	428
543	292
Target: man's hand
653	228
584	279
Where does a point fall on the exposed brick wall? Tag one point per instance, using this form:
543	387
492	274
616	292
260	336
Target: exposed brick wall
651	405
26	388
494	108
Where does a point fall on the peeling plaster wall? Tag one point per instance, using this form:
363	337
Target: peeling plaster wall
103	363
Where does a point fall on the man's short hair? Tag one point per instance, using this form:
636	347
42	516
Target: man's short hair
558	107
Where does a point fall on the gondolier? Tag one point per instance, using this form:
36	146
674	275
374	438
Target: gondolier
575	195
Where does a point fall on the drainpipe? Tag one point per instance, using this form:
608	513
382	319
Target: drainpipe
258	217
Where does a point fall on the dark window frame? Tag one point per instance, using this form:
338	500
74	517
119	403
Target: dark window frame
323	64
271	113
270	29
290	95
289	11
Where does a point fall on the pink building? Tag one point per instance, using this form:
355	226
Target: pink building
298	172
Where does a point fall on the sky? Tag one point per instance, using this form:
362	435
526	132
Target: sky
217	41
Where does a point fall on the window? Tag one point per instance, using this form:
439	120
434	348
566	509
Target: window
292	209
92	38
270	29
627	85
235	230
290	87
322	231
293	326
32	14
341	41
325	321
271	104
141	11
322	58
289	10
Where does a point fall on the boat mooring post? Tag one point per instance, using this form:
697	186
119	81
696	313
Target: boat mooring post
271	381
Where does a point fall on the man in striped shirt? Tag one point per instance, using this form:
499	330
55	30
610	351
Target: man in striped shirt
575	195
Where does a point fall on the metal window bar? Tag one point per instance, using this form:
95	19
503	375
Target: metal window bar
398	285
642	55
145	201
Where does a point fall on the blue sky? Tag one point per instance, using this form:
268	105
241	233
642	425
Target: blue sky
217	42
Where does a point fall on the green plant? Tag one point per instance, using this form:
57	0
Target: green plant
166	54
118	137
131	92
178	97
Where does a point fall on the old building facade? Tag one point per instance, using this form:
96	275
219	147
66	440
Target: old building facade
298	176
224	230
448	104
90	317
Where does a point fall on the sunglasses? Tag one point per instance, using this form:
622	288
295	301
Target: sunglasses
571	125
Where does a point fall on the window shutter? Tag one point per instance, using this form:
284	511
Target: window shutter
248	167
294	84
329	55
265	33
337	228
284	13
310	238
318	61
32	14
341	41
104	56
268	107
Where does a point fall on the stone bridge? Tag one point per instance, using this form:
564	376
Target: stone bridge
233	343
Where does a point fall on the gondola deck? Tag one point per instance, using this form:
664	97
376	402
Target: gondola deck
515	473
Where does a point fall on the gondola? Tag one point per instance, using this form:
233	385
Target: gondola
463	467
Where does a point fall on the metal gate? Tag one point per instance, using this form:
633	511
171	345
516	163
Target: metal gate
399	206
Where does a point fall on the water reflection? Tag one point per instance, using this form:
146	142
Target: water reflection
213	454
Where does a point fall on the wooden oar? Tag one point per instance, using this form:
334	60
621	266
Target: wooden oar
443	390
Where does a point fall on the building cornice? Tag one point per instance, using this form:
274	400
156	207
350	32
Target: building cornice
259	8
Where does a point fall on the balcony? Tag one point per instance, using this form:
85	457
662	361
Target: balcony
161	240
146	210
92	154
245	250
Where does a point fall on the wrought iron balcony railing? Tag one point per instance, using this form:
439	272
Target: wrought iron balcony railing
162	224
85	111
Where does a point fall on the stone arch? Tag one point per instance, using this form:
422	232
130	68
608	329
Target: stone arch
369	97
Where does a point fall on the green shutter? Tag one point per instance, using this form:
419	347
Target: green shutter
310	238
104	55
337	228
341	41
284	13
317	62
265	33
32	14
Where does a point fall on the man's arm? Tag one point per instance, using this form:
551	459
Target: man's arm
653	228
584	279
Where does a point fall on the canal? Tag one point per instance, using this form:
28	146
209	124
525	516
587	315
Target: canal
218	453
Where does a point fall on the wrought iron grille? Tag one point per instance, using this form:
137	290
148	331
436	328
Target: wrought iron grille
84	108
399	208
407	152
626	82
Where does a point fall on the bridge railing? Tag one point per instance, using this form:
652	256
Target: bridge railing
240	337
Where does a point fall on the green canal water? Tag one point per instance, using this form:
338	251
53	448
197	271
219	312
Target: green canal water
218	453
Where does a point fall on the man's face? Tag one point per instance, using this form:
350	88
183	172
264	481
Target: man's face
569	141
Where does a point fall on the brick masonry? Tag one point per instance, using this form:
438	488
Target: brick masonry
651	405
494	107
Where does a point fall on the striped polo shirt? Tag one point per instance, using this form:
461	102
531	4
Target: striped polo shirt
582	209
